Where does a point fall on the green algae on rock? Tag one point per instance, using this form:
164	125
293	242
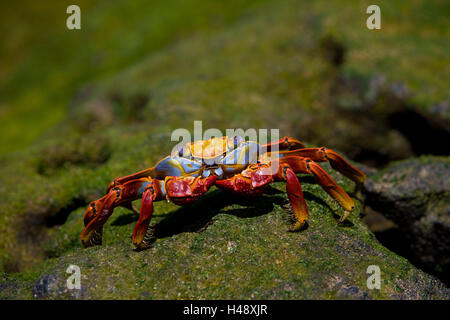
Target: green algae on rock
415	194
225	247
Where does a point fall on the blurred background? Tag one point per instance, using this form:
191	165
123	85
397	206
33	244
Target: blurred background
79	107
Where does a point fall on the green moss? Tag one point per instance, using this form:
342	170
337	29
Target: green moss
244	252
114	35
39	84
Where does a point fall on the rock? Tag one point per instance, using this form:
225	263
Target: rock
225	247
415	194
347	291
44	286
54	285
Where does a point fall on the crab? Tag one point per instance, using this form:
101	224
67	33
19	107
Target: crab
230	163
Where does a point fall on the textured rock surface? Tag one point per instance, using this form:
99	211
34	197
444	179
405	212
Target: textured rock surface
415	194
227	247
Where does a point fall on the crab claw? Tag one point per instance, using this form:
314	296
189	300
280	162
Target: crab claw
96	215
94	236
92	210
251	181
186	190
261	177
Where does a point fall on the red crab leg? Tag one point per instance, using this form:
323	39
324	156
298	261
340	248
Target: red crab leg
140	238
305	165
99	211
336	161
92	209
180	191
254	180
285	143
295	195
150	172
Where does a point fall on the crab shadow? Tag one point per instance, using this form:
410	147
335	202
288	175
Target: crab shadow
197	216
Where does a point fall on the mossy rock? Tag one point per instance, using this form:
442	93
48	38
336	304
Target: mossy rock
226	247
415	194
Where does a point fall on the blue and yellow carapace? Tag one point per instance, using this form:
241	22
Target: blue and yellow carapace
230	163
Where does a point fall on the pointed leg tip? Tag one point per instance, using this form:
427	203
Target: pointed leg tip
344	216
142	246
298	226
93	238
145	242
91	243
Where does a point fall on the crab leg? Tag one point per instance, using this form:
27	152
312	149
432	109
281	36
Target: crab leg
150	172
295	195
285	143
308	166
253	181
96	215
140	237
336	161
181	191
99	211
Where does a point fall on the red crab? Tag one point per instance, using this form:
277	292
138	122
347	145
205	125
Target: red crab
230	163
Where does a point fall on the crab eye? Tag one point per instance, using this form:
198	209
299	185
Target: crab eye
180	151
236	141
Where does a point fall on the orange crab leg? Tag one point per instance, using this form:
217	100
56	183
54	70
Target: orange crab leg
254	180
181	191
99	211
150	172
305	165
336	161
95	217
295	195
285	143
